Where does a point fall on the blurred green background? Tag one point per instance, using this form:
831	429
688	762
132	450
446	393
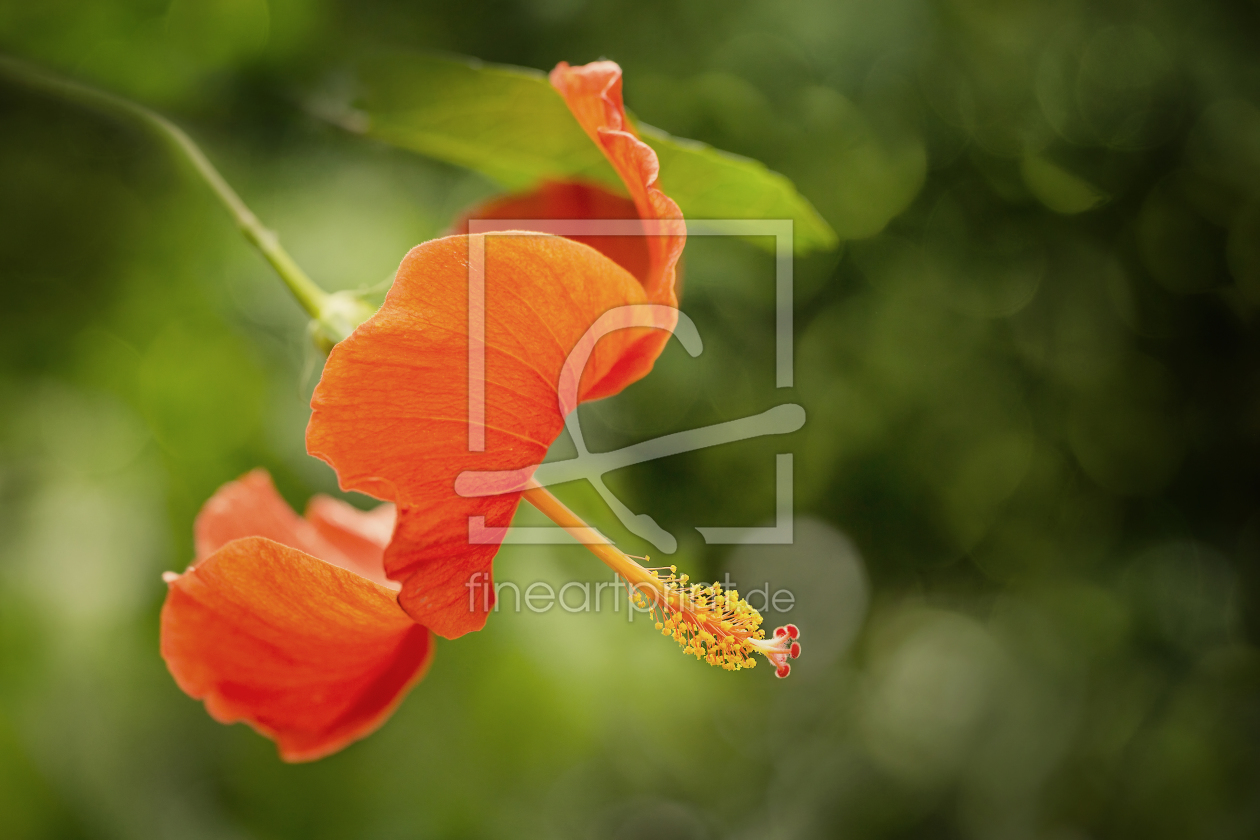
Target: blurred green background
1026	491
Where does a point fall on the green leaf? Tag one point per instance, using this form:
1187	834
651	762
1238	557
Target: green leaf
504	122
708	183
510	125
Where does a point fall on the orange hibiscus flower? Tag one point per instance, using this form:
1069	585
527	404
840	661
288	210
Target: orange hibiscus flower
392	410
289	623
294	625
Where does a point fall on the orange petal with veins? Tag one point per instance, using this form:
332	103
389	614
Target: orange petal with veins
391	412
359	535
251	507
307	653
593	93
568	201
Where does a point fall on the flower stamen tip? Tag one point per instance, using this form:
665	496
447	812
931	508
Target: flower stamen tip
712	623
782	647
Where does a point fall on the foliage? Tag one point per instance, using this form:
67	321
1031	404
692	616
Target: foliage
511	126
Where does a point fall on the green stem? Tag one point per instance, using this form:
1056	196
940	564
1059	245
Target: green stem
312	298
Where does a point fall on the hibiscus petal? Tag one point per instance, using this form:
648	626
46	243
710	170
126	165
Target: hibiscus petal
251	507
391	412
569	200
306	653
593	94
360	535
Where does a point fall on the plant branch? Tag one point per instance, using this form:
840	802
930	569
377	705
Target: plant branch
312	298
